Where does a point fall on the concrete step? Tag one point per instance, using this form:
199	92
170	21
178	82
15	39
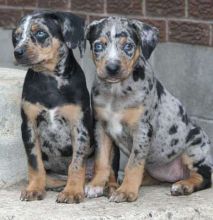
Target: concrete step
155	202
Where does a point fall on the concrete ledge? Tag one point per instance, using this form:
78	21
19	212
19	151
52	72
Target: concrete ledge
12	155
153	203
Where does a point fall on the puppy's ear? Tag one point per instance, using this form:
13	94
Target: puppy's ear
148	36
72	28
93	30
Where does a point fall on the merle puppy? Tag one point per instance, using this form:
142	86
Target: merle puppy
133	109
55	106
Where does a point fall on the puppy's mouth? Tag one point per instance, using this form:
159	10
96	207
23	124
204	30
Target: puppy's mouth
113	80
28	62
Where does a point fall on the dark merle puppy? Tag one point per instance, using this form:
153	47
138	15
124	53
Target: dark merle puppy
134	110
55	104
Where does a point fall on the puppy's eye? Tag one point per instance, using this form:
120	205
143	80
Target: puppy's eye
40	35
128	47
98	47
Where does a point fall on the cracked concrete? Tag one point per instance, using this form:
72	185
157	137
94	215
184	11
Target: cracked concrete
154	202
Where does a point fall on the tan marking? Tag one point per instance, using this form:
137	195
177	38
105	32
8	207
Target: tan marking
193	182
132	181
101	113
103	40
100	66
132	115
47	57
112	183
102	161
52	182
76	174
187	161
148	180
128	65
73	113
18	30
34	27
129	116
37	178
195	179
31	110
123	40
76	181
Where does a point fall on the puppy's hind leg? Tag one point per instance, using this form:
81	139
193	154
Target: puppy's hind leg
199	160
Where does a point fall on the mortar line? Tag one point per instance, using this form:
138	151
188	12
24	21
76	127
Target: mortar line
105	6
144	7
202	118
186	8
210	35
167	29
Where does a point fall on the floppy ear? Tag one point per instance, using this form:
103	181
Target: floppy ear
72	28
93	30
148	36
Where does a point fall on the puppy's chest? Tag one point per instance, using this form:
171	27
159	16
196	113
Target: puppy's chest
54	132
119	120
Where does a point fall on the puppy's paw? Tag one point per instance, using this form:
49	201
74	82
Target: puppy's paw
123	196
94	191
109	190
30	195
70	197
181	188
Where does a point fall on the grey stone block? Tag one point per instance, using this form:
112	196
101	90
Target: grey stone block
187	72
12	155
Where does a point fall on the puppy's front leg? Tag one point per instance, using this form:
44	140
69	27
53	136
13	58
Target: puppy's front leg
36	172
74	189
102	163
128	191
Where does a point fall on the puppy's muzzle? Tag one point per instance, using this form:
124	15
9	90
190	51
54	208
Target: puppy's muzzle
19	52
113	68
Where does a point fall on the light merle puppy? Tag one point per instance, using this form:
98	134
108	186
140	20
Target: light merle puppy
133	110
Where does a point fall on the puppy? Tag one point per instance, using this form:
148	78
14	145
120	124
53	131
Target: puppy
133	109
55	105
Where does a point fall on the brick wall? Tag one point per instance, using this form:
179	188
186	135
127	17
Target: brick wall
184	21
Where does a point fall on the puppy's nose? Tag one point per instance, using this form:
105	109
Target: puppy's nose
19	52
113	67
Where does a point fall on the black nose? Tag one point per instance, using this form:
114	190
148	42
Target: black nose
113	68
19	52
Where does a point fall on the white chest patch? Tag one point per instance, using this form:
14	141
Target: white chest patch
52	114
114	121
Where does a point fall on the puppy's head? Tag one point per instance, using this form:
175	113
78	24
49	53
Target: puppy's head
117	44
41	38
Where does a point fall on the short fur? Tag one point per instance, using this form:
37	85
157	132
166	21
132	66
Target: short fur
134	110
56	120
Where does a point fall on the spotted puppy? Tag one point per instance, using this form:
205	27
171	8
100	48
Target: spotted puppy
134	110
55	105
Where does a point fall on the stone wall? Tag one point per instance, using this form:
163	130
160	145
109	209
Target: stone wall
184	21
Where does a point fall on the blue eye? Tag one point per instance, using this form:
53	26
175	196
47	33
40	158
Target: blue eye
41	35
98	47
128	47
